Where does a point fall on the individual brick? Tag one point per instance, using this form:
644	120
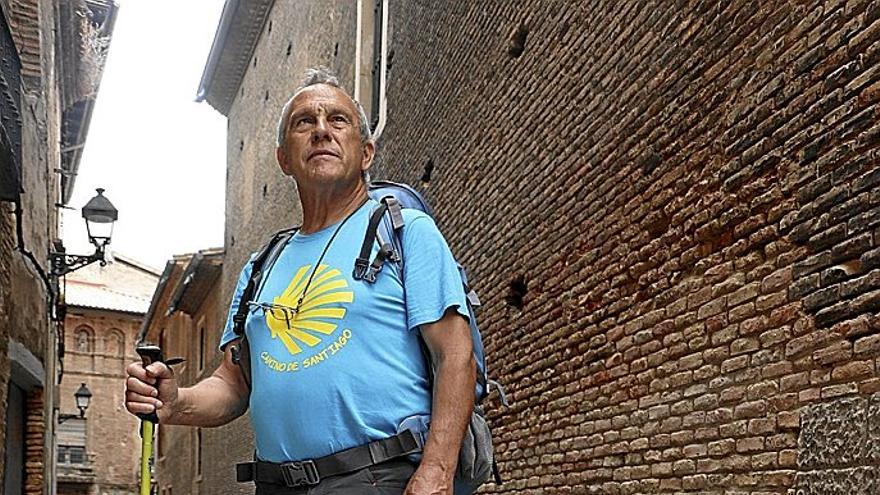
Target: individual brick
804	286
822	298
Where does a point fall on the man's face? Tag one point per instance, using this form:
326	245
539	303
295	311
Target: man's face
322	143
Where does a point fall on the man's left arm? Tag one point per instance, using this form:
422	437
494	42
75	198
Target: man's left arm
451	348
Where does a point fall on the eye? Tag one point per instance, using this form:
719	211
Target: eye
302	121
339	118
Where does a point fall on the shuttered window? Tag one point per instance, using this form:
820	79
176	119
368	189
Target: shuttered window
72	441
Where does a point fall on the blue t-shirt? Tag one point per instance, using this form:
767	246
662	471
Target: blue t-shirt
347	368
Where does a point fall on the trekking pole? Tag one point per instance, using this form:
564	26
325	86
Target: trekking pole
149	354
146	454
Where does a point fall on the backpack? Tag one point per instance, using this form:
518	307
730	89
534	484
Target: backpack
476	459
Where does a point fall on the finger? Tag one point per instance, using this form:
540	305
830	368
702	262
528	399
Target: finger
147	399
159	370
136	386
137	370
140	407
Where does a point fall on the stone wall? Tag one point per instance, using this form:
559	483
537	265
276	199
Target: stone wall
259	199
840	447
23	308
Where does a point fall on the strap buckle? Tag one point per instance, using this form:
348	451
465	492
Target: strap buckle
361	267
299	473
236	353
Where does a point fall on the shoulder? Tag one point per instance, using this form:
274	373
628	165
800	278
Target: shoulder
419	224
411	215
246	269
421	230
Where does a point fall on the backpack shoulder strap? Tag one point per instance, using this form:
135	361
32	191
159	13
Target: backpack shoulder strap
393	230
388	207
261	264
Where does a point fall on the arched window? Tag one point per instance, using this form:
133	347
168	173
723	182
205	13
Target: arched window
114	343
83	340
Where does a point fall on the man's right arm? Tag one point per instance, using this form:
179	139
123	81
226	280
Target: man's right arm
214	401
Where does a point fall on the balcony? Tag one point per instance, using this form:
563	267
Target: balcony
75	465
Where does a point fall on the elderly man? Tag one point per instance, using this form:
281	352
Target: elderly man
336	362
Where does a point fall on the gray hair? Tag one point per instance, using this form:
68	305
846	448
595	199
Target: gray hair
322	75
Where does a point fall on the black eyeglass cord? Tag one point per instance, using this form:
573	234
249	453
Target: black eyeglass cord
323	253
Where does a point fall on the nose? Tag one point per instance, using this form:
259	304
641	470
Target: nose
321	130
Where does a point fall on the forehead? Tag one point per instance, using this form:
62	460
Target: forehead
321	96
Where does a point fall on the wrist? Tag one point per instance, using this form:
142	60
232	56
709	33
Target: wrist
169	413
438	466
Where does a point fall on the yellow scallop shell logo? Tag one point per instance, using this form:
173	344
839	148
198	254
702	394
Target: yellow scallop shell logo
320	306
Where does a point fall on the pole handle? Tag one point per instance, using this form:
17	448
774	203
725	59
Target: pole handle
149	354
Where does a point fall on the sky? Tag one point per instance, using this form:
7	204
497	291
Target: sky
160	155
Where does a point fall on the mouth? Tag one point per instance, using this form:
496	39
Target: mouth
319	153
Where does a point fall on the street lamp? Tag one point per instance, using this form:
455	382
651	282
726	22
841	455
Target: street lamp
83	396
100	215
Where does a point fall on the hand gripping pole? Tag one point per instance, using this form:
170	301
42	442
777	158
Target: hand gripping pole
149	354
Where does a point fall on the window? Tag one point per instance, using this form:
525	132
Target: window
82	340
68	454
159	440
72	442
163	341
202	345
198	453
113	343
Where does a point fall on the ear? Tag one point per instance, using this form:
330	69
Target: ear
281	157
369	153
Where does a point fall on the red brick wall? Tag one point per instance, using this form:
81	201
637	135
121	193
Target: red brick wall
34	444
687	195
113	439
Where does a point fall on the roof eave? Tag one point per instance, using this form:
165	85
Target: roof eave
108	310
154	302
192	275
241	24
185	280
68	178
217	47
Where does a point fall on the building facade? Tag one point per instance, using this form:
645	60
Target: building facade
186	318
99	453
52	59
670	211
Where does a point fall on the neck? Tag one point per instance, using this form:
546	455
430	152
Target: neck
324	208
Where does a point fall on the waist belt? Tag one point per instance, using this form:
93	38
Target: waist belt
312	471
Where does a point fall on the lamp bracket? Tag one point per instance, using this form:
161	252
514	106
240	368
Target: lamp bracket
62	417
63	263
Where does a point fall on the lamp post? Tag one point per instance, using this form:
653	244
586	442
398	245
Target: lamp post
100	215
83	396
